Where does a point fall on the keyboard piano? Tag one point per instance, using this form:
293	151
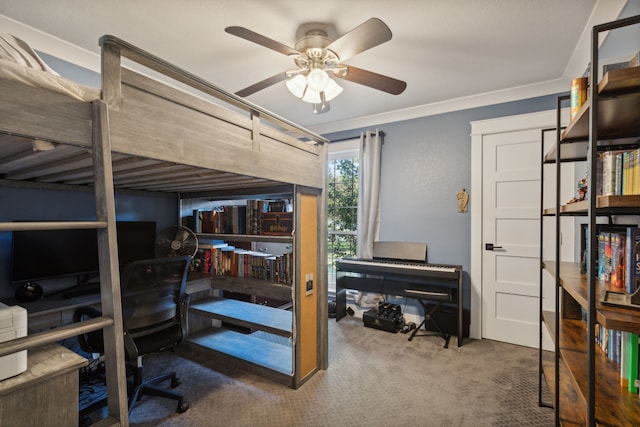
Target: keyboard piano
399	267
395	269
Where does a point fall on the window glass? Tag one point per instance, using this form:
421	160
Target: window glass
342	198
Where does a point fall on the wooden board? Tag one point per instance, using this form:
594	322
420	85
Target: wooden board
46	393
247	351
269	319
307	229
617	116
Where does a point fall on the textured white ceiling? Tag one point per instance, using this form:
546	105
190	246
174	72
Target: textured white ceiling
452	53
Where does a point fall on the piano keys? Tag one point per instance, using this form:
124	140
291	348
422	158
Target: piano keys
399	267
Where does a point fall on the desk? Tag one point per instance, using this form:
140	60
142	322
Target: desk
57	310
46	394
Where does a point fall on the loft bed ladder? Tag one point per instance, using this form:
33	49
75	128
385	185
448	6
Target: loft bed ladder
111	320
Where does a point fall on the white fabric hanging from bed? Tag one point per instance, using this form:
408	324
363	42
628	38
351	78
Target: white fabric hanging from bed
19	62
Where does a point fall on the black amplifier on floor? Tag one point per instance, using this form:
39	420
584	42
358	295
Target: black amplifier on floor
386	317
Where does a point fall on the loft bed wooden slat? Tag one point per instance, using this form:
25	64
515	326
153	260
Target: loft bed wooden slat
153	118
42	114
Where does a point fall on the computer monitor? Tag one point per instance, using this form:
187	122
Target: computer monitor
48	254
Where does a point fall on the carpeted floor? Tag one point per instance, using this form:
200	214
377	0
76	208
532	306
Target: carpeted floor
375	378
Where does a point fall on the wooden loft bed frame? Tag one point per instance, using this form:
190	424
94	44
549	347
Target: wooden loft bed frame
143	134
171	132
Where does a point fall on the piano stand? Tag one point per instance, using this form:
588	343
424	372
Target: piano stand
424	298
400	269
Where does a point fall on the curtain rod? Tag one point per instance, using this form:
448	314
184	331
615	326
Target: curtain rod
353	137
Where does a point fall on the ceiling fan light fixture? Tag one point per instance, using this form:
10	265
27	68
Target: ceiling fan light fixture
322	106
333	89
297	85
311	96
318	79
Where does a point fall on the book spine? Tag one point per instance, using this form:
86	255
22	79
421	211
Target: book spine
604	256
633	362
636	172
618	174
624	359
578	95
617	261
632	172
632	262
608	173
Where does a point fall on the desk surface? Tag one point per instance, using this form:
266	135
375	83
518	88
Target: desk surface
54	303
43	363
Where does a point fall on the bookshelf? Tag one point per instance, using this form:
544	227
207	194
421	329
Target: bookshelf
263	325
584	377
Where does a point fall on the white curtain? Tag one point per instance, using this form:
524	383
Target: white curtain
368	225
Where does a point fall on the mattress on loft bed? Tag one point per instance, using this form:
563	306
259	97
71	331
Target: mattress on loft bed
19	62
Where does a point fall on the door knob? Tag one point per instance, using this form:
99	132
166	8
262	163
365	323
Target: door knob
490	247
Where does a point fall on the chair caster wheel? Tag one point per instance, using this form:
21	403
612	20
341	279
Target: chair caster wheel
182	407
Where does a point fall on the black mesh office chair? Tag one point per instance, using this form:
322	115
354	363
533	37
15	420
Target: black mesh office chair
154	312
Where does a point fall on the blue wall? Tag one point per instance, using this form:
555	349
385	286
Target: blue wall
425	162
30	204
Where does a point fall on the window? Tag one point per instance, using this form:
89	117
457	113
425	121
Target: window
342	198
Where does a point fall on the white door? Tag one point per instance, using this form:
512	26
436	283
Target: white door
510	222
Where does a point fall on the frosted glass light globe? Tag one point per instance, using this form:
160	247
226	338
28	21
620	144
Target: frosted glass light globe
318	80
296	85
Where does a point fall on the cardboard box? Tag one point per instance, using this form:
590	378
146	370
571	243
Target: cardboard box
13	324
276	223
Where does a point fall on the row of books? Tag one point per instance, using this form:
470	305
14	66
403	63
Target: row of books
620	172
221	259
246	218
619	258
621	348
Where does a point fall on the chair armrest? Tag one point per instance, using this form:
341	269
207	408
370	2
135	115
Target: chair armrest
183	310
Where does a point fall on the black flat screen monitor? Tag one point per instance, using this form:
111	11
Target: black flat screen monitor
48	254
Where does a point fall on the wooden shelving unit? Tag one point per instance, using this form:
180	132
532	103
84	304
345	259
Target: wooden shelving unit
603	202
290	356
585	384
617	108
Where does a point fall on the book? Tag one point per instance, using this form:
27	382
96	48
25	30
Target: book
632	359
624	359
625	173
617	242
635	175
578	94
608	173
618	174
604	256
276	223
632	262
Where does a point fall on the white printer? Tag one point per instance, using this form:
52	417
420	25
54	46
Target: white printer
13	324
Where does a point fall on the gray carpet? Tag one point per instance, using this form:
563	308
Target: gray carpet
375	378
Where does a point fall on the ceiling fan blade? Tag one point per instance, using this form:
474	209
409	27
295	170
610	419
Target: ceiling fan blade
261	40
369	34
262	84
374	80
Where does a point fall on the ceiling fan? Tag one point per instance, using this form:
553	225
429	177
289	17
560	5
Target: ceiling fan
317	57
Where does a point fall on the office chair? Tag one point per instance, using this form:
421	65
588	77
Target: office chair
154	312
